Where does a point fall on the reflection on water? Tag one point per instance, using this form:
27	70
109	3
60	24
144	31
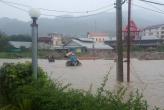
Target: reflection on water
148	76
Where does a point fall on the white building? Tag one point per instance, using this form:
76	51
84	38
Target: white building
56	39
156	30
52	41
98	36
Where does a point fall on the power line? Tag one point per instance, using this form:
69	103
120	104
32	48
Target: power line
62	11
153	5
149	9
82	16
94	10
21	9
157	3
23	5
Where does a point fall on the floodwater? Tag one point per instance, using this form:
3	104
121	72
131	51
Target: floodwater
146	75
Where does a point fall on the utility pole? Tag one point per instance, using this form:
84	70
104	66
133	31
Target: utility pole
119	65
128	41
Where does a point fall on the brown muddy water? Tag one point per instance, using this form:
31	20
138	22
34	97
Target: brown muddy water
146	75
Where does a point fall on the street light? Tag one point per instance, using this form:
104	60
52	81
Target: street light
34	14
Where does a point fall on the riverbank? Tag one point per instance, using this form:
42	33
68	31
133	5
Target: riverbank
137	55
148	55
141	55
43	54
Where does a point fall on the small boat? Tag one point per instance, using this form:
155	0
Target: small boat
73	60
70	63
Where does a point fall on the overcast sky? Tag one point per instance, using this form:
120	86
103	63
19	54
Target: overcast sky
68	5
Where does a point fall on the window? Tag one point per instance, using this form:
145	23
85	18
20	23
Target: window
162	32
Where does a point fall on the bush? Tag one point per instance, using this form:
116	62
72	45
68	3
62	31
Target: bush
13	76
24	93
4	44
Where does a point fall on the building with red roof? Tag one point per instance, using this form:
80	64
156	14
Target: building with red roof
134	31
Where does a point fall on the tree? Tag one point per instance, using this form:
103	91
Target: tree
4	45
20	37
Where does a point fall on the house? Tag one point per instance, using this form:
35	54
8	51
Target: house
86	44
155	30
73	44
52	41
56	38
98	36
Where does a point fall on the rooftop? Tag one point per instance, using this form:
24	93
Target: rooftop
89	45
44	39
97	34
133	27
149	38
85	39
154	26
19	44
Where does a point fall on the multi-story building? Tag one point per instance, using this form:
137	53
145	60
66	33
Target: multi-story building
53	40
56	38
156	30
98	36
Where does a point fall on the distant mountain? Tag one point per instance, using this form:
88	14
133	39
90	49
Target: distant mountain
14	26
79	26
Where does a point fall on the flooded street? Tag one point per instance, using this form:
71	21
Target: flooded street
148	76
